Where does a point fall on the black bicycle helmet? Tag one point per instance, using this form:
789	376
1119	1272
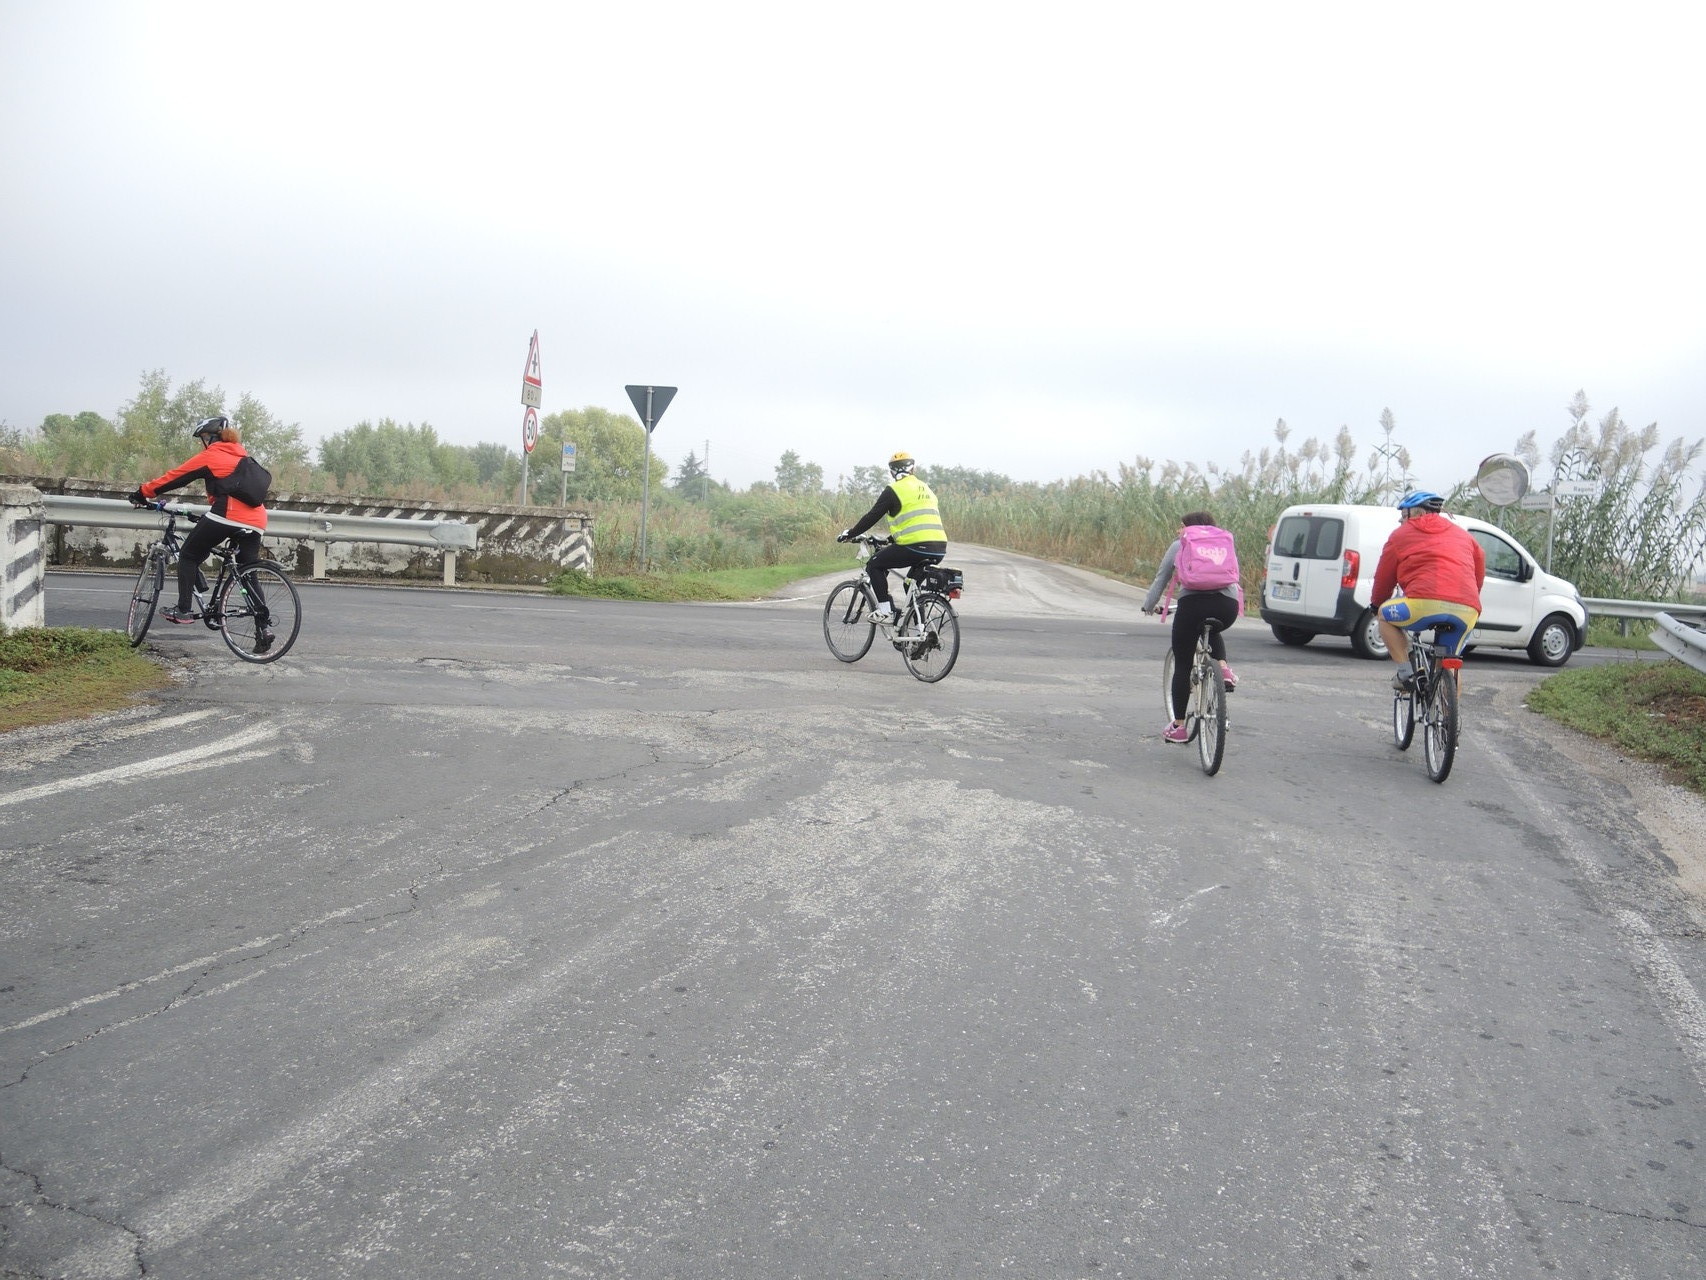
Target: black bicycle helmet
210	428
1421	499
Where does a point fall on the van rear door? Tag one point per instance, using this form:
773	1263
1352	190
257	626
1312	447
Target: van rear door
1305	567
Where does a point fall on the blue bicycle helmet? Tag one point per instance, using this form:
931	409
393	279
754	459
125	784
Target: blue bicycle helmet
1422	499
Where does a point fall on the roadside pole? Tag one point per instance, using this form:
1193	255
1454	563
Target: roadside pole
649	403
532	391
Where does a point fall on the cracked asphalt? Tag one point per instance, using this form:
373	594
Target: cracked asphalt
498	935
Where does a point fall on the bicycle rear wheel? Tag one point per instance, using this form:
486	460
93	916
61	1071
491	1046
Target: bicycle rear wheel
259	612
1211	716
933	654
144	597
1403	719
846	628
1439	725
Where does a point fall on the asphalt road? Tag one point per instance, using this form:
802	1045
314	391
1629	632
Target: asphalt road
513	936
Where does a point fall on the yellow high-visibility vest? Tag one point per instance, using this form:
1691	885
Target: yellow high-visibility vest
919	520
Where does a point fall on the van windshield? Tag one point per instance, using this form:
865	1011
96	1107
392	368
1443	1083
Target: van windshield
1310	537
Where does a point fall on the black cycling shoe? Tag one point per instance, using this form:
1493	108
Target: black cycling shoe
263	640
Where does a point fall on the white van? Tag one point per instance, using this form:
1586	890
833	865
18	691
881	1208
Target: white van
1320	580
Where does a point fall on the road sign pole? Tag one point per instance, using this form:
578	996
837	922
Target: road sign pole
646	477
532	390
649	403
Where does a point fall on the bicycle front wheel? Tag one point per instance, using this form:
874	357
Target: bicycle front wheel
1211	717
1167	685
931	654
1439	725
1403	720
143	599
846	627
259	612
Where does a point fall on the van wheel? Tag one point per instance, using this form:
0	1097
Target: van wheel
1365	636
1293	635
1554	641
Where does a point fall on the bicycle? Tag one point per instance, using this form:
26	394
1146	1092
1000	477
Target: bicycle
1431	699
1205	712
925	628
246	603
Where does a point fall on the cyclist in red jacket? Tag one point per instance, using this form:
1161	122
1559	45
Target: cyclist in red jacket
218	464
1441	569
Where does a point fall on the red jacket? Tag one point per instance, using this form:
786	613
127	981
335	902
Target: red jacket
213	464
1434	559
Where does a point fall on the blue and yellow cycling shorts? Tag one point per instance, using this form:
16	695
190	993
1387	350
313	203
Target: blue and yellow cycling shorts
1452	623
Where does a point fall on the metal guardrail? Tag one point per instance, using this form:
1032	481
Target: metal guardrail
1681	641
320	528
1647	609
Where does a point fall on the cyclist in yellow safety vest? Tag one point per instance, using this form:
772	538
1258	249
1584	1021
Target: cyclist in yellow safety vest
915	524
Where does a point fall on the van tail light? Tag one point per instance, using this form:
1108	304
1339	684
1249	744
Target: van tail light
1348	576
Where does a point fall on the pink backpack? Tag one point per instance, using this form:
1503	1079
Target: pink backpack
1208	560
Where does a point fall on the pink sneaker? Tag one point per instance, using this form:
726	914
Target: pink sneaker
1175	733
1229	676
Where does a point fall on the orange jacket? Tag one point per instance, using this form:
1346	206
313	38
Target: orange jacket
213	464
1433	559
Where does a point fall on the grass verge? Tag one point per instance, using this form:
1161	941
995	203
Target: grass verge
1654	710
717	584
49	674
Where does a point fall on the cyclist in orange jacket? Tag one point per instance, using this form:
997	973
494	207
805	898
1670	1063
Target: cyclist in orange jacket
220	465
1439	568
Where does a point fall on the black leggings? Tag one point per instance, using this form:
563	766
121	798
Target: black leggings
1189	613
207	535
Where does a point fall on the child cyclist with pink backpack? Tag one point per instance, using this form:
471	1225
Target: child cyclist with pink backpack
1204	563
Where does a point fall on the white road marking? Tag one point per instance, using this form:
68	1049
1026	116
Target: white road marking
204	756
201	962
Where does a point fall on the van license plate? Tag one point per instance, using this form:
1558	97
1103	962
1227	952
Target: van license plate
1287	591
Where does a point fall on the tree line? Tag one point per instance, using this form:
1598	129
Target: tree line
1641	537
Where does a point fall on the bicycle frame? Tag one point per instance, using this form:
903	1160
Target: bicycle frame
204	595
1432	703
1204	713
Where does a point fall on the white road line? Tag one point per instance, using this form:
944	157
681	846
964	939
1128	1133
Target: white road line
502	608
201	962
192	758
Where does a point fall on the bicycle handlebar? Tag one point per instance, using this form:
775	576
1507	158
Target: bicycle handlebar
170	508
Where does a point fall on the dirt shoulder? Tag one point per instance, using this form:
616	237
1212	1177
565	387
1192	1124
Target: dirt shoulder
1674	815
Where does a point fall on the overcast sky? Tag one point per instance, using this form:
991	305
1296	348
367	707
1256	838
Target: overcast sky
1037	239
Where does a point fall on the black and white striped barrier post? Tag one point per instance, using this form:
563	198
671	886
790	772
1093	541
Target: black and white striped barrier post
23	558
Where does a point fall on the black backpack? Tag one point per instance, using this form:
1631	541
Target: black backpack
248	482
